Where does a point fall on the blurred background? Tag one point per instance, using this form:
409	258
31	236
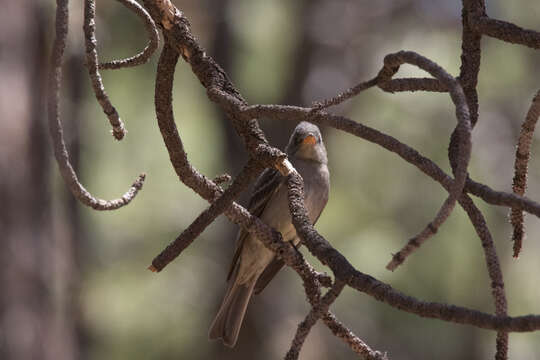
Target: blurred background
74	283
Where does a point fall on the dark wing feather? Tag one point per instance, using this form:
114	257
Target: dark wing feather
268	274
265	186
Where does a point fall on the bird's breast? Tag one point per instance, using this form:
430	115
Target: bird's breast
316	186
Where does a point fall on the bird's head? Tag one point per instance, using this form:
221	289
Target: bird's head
306	143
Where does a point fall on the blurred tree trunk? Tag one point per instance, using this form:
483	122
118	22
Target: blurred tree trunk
37	313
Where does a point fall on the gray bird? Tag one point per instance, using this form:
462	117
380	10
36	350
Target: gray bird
253	265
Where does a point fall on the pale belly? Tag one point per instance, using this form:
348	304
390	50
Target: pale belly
255	256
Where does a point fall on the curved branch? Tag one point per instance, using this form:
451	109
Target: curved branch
344	271
314	314
391	86
506	31
412	156
521	164
413	84
355	90
211	76
348	337
470	62
320	310
295	113
209	191
55	126
148	51
502	198
173	250
391	66
90	41
392	63
493	267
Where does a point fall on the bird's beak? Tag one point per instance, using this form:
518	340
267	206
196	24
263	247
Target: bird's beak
309	140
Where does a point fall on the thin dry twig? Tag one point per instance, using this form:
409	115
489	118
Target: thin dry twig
148	51
463	131
319	310
55	126
521	164
90	41
412	84
314	314
493	267
348	337
502	198
355	90
240	183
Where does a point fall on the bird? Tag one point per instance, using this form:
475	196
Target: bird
253	265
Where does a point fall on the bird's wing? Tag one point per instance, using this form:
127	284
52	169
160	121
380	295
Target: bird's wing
268	274
265	187
273	268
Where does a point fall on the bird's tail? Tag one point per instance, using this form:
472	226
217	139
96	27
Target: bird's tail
229	318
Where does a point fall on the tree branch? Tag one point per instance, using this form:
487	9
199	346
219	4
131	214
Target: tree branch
90	41
148	51
521	164
55	126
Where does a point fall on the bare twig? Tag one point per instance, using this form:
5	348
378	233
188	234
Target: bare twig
506	31
118	130
354	342
463	131
55	126
521	164
493	267
343	270
412	84
315	314
173	250
148	51
355	90
470	60
502	198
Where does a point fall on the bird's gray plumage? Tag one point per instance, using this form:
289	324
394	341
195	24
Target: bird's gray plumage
254	265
